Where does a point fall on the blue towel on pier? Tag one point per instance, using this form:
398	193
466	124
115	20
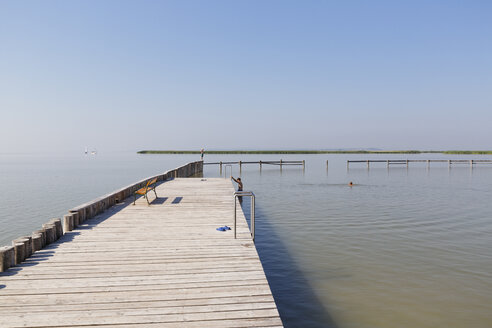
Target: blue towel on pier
224	228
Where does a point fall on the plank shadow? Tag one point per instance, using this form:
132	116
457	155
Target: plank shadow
177	200
159	201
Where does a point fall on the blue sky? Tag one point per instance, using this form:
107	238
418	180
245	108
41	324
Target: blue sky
131	75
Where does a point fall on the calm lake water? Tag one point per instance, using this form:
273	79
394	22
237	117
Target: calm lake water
401	248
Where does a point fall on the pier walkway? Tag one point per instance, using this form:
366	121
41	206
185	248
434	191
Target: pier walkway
163	265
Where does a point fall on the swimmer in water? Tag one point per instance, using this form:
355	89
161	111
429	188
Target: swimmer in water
351	184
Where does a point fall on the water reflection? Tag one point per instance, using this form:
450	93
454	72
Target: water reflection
297	303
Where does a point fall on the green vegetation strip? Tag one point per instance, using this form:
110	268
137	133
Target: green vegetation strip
468	152
220	152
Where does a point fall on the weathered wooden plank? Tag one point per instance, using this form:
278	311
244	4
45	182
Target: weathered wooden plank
87	319
27	287
154	285
141	294
160	303
221	323
156	310
144	273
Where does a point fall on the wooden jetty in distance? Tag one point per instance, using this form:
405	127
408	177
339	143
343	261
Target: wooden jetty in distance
280	163
406	162
163	265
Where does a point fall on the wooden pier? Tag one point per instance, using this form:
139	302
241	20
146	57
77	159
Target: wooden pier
279	163
163	265
406	162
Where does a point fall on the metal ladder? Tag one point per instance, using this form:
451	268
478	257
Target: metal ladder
245	194
225	170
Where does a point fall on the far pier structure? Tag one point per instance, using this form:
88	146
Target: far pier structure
406	162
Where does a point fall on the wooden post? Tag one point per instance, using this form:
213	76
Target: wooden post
50	233
19	252
347	164
7	257
367	164
80	212
428	163
43	236
100	207
27	241
260	165
449	163
304	164
28	245
281	165
407	163
471	163
58	227
220	168
83	213
121	198
67	223
240	167
37	242
76	218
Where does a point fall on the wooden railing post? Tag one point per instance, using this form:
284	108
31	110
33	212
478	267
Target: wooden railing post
19	250
58	227
7	257
37	242
68	223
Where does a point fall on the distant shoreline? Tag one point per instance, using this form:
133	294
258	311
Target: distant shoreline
265	152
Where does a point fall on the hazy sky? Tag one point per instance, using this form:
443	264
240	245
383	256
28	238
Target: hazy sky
131	75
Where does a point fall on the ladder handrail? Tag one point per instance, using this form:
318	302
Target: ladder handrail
225	170
248	194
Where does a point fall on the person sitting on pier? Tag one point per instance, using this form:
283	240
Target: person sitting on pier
239	183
